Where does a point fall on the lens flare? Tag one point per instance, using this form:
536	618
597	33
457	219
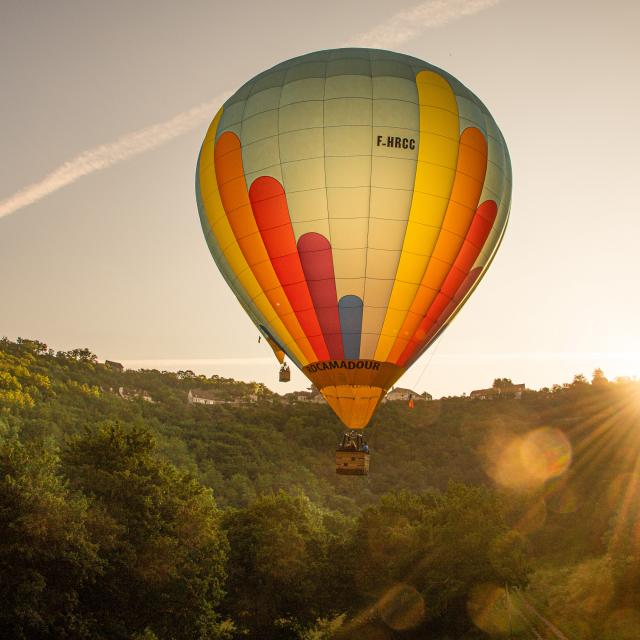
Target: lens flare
490	610
561	497
533	518
402	607
523	463
623	624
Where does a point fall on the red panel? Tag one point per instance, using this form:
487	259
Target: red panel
469	281
269	204
477	235
317	263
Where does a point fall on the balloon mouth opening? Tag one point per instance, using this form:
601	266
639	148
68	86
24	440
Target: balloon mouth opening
353	388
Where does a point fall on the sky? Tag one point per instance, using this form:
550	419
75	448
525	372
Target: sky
105	106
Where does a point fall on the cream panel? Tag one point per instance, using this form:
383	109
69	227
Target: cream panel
352	86
386	234
398	88
378	290
273	171
396	113
344	111
307	206
262	101
378	261
317	226
231	119
349	263
303	175
302	144
302	90
347	141
349	233
348	202
354	171
260	126
350	287
368	341
260	155
301	115
470	115
393	173
390	203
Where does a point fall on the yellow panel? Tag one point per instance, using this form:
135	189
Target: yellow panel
435	172
224	236
353	405
420	240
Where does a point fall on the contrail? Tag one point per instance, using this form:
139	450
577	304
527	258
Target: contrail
106	155
398	29
408	24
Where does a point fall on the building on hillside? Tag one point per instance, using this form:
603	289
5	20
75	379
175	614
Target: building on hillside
205	396
399	393
213	396
513	391
313	395
116	366
130	393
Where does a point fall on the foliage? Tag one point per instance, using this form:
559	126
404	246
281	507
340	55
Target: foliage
109	527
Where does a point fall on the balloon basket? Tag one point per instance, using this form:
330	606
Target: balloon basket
352	463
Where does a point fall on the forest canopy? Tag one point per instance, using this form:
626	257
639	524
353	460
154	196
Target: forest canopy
139	515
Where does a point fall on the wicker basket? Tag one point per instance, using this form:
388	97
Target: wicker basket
352	463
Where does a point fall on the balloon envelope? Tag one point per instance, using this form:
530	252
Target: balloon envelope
353	199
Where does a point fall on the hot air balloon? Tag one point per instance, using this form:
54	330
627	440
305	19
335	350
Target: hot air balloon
353	199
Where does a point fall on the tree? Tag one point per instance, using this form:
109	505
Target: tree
598	377
502	383
579	380
277	565
441	546
159	536
46	555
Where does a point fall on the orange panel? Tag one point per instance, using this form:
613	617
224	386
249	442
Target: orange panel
235	199
465	195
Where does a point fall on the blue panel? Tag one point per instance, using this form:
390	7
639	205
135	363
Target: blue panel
350	310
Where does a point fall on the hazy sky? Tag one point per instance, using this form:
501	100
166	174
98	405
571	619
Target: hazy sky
115	261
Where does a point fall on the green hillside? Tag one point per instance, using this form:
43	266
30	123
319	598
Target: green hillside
126	517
